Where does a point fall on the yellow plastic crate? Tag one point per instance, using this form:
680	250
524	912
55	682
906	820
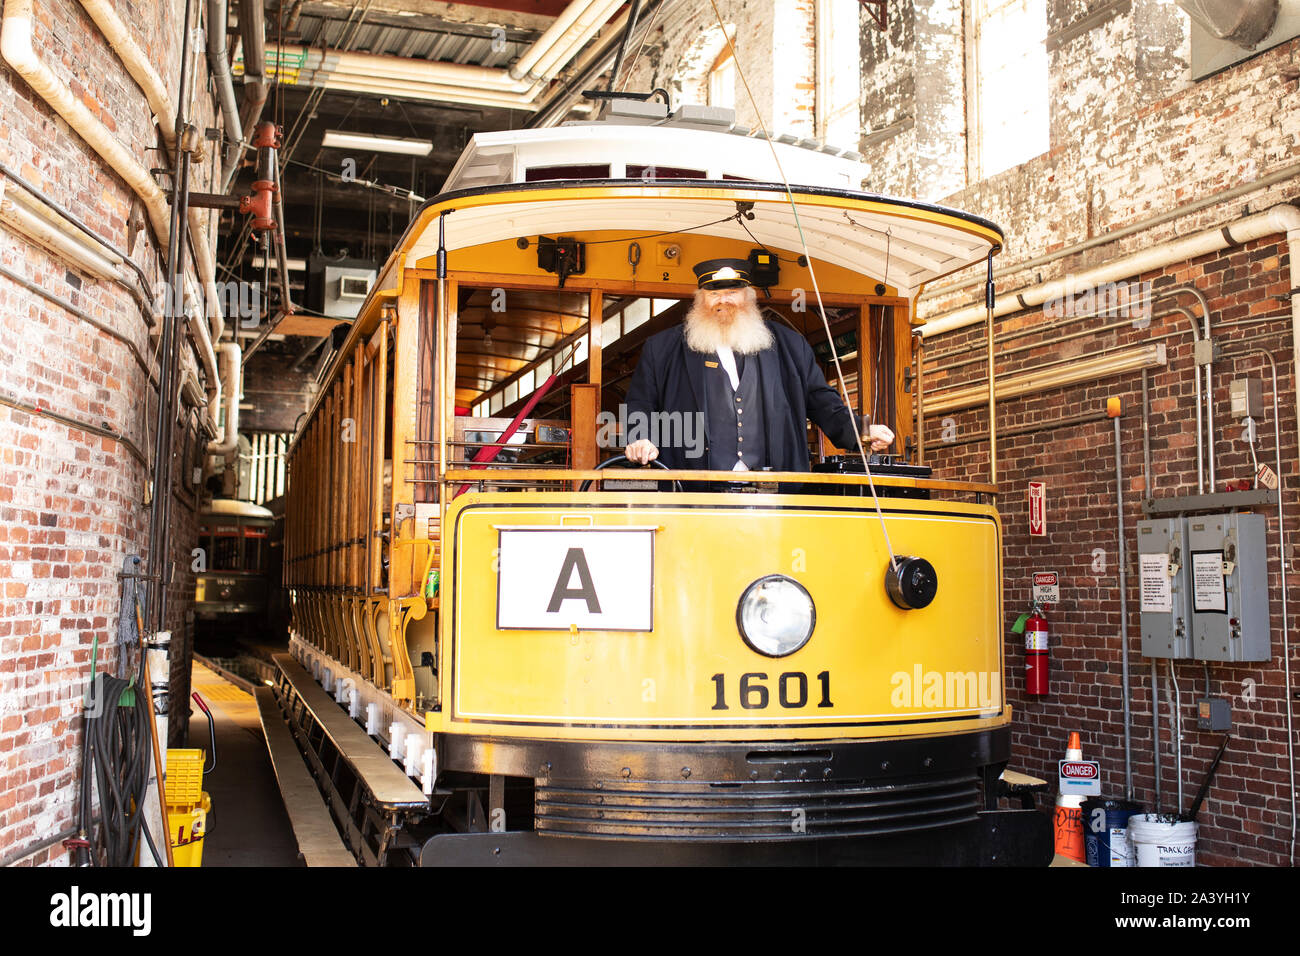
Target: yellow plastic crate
184	785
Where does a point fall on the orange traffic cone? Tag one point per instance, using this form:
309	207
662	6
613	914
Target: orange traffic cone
1068	823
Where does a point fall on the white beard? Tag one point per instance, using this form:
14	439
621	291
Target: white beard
746	334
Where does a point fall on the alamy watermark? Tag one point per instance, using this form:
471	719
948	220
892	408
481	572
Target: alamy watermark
236	300
663	429
1130	300
945	690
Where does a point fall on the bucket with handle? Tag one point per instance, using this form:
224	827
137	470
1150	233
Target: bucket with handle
1162	841
1105	831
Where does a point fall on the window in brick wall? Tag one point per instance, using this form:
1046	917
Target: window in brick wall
1006	84
839	72
722	79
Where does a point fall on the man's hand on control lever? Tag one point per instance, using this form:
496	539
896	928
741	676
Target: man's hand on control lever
642	451
879	437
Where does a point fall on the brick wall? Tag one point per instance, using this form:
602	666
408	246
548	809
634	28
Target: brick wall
1245	818
275	394
72	503
683	46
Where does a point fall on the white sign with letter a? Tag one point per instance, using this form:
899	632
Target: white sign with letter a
551	579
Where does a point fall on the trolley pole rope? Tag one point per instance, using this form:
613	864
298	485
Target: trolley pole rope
812	272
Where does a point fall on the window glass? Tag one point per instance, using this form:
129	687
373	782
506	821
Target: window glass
1010	83
636	314
225	549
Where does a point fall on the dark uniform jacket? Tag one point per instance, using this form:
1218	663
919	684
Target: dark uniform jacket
669	377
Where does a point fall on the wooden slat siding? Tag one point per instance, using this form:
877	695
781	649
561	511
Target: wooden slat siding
379	385
584	404
904	396
596	312
357	488
448	367
919	399
330	447
347	491
405	426
311	517
429	339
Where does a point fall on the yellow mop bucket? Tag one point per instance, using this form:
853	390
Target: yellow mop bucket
187	806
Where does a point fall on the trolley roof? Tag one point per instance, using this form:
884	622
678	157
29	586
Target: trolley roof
903	243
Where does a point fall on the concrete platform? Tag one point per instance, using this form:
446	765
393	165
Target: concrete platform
248	825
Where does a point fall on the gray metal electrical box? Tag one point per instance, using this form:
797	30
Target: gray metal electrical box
1227	576
1162	556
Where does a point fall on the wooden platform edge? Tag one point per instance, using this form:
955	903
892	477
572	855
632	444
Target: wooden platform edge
318	838
391	788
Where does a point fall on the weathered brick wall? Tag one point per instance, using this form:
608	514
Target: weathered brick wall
72	503
683	46
1245	818
1132	137
277	394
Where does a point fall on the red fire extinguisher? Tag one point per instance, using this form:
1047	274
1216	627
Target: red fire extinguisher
1036	653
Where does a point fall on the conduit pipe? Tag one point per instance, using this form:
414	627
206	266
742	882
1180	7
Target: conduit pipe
232	385
119	37
562	27
218	17
465	77
1123	616
202	339
252	29
1209	378
47	234
565	49
1122	232
1200	423
456	82
1280	219
137	63
16	47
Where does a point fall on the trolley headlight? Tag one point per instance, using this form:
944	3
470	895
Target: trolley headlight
776	615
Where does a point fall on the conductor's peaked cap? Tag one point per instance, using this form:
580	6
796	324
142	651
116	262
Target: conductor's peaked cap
722	274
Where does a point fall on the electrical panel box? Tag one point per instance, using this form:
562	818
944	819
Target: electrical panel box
1247	398
1166	621
1227	578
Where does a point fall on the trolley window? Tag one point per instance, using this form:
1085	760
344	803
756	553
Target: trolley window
226	554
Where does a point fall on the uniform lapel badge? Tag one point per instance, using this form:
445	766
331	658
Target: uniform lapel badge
708	364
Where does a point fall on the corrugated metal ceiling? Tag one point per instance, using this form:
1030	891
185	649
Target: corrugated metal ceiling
413	41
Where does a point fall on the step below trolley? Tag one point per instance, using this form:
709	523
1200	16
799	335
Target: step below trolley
504	653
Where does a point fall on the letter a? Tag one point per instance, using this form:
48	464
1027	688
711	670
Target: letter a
585	591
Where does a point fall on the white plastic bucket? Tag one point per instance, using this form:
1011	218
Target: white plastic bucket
1162	844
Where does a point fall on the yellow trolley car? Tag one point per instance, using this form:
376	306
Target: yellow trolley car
517	657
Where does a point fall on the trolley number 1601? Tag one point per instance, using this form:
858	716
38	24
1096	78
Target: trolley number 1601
791	691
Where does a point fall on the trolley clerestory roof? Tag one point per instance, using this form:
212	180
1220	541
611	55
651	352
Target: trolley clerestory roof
903	243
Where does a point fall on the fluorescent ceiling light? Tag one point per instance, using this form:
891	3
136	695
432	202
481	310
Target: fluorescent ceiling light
290	265
334	139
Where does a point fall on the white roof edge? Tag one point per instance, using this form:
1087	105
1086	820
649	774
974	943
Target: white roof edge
749	157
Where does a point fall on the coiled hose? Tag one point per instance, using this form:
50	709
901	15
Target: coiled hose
118	753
